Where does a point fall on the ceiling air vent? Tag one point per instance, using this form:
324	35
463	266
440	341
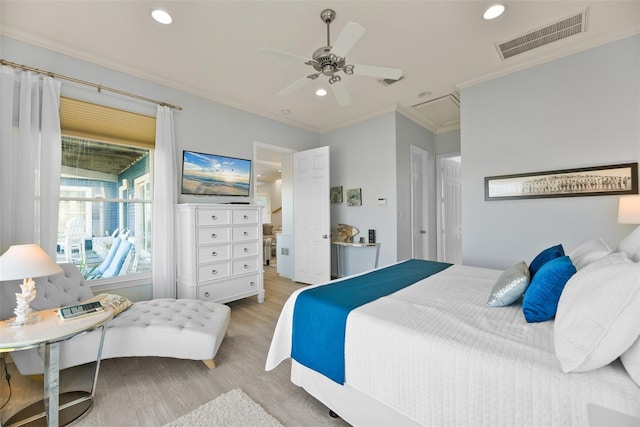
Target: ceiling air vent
557	31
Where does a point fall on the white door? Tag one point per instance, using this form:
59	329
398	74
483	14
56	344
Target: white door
451	210
419	205
311	217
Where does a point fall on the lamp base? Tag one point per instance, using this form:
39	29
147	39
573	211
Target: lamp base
15	323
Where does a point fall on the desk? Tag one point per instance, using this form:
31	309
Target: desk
340	245
49	332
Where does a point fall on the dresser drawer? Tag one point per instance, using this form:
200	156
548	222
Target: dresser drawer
248	216
245	249
208	272
228	288
244	233
212	217
208	235
213	253
245	266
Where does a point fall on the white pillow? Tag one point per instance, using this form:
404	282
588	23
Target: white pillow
631	361
598	317
589	252
630	244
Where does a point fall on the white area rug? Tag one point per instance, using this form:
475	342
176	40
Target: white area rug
230	409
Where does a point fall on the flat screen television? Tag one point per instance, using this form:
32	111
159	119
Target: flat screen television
214	175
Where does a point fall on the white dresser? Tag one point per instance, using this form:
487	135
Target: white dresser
219	252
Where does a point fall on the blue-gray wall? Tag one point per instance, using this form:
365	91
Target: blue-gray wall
581	110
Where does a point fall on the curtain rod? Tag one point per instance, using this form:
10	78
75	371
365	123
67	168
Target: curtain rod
97	86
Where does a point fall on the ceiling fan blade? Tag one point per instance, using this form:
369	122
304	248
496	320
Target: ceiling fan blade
294	86
340	92
284	55
375	71
350	34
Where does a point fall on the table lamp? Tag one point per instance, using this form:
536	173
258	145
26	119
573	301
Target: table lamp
629	210
25	262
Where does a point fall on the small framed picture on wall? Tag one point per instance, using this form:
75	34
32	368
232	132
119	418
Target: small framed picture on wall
354	197
335	194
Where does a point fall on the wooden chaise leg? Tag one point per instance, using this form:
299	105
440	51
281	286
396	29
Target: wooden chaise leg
211	364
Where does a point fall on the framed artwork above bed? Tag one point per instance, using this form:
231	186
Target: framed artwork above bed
589	181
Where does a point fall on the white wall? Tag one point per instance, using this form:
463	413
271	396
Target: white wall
582	110
363	156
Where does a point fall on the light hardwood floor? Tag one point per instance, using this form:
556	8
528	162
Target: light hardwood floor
152	391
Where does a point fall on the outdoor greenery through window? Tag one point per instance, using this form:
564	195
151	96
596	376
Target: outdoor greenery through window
104	224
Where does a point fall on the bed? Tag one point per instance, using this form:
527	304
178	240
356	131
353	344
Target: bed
433	352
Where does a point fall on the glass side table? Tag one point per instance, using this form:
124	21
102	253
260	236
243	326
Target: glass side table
49	332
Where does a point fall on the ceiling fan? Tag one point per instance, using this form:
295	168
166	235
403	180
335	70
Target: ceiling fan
330	60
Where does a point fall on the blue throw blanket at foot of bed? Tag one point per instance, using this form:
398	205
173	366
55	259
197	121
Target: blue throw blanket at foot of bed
320	314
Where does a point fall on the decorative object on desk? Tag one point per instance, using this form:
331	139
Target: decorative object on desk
336	194
354	197
345	233
590	181
372	236
25	262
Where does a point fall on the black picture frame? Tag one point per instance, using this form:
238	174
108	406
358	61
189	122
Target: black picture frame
588	181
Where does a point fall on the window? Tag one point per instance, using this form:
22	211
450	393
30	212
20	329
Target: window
105	223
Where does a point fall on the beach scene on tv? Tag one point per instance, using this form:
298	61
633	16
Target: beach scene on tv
208	174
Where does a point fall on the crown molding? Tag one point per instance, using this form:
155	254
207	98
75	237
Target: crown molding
49	44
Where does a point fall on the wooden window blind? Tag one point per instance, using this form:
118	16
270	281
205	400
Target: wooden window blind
99	123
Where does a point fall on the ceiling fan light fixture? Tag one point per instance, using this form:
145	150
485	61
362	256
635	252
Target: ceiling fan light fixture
321	92
161	16
492	12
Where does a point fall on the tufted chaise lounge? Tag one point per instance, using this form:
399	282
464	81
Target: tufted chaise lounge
182	328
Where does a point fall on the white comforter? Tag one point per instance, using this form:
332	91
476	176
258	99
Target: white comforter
437	354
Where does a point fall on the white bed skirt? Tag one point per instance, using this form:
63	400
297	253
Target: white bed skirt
354	407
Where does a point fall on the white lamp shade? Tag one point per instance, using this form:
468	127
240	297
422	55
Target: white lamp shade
629	210
26	261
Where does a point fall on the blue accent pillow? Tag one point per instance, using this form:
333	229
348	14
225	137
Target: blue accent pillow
540	301
544	257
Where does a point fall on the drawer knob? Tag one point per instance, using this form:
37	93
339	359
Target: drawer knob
214	253
214	235
206	294
252	283
214	271
246	233
246	266
246	250
246	217
213	217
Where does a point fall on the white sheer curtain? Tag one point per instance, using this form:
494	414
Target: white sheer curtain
30	158
165	196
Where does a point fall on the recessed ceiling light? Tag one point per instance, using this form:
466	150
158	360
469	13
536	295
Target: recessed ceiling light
161	16
425	94
285	111
321	92
493	12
